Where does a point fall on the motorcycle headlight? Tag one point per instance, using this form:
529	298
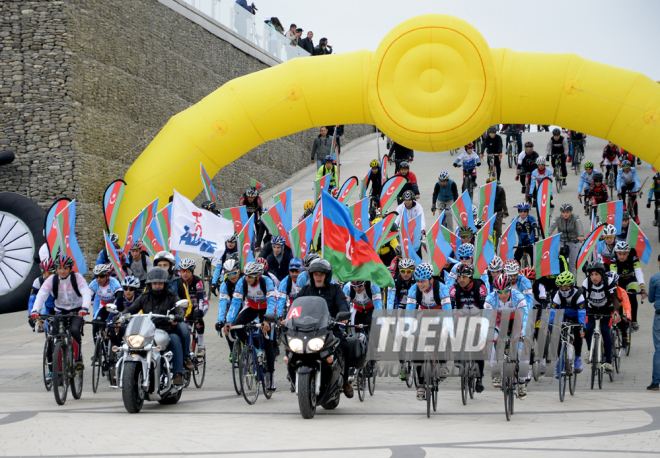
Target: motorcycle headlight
296	345
316	344
135	341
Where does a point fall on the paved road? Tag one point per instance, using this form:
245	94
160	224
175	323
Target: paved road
213	421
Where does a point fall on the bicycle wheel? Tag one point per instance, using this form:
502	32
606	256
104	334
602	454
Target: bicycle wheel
48	381
371	380
562	372
594	362
471	380
409	374
360	384
572	382
248	374
76	376
96	364
200	371
525	261
509	154
60	378
428	383
265	384
616	347
507	390
464	388
600	364
630	333
558	180
434	393
235	368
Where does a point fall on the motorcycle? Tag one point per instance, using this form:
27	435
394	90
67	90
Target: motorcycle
144	369
314	359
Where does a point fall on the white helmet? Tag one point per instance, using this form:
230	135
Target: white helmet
253	268
540	161
165	256
609	230
230	265
511	267
496	265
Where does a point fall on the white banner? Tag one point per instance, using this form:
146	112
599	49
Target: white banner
198	231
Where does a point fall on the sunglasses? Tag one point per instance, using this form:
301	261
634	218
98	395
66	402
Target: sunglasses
523	211
406	271
465	258
252	277
231	274
185	270
295	270
102	276
358	286
503	291
129	288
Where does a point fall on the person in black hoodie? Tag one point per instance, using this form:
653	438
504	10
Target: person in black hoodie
278	260
307	44
320	272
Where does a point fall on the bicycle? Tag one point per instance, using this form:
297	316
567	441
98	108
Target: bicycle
526	259
47	368
453	151
468	381
556	172
587	204
617	345
566	361
199	372
512	152
207	274
492	173
64	372
104	358
597	355
236	351
431	382
364	377
468	183
610	179
578	153
252	365
509	383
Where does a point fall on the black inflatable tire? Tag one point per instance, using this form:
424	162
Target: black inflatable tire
27	218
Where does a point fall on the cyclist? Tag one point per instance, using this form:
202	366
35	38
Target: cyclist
600	296
329	168
470	161
625	225
47	269
541	173
493	147
577	141
570	227
231	252
466	234
504	297
539	292
527	163
597	192
654	193
631	278
465	254
253	205
501	210
469	293
411	185
519	282
105	290
198	298
103	258
253	296
495	268
308	208
445	193
363	298
624	299
139	262
398	297
131	291
627	181
605	247
375	179
394	265
412	209
279	259
288	290
526	228
557	147
72	295
569	298
400	154
586	179
231	276
209	205
513	130
611	154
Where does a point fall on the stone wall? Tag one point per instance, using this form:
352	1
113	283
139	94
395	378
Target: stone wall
85	85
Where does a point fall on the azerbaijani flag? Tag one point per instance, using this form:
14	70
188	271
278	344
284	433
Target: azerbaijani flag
347	189
273	221
484	251
244	246
133	233
287	204
153	239
112	197
365	182
452	239
390	192
301	237
206	181
50	228
462	210
65	222
347	248
164	220
383	169
638	241
113	256
439	249
148	214
508	241
238	215
256	185
379	234
612	213
410	231
546	256
322	183
360	214
487	201
543	203
588	246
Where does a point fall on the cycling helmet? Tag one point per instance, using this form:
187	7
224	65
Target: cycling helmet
373	163
64	260
465	270
230	265
233	238
565	278
614	276
465	232
609	231
656	176
278	240
375	220
323	266
233	256
540	161
469	146
556	131
479	223
588	165
295	264
492	130
529	145
424	271
625	165
523	206
253	269
308	205
474	212
406	263
566	208
625	216
329	159
102	269
208	205
130	281
138	245
598	177
397	251
404	165
490	179
621	247
48	265
444	176
529	273
263	262
502	282
309	257
596	267
164	256
511	267
187	264
114	238
408	195
357	283
496	265
158	275
465	250
252	192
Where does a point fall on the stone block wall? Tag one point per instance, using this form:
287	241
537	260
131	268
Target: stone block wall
85	85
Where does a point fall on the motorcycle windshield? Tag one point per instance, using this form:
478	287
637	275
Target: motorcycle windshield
141	325
308	314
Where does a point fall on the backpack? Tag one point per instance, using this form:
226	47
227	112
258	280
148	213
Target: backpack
56	285
436	295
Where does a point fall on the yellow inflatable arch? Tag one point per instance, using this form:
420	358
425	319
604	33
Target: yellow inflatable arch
432	85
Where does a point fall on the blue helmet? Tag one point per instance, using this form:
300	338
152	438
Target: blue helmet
424	271
625	165
523	206
329	159
295	264
278	240
465	250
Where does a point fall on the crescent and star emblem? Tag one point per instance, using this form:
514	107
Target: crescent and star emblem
113	198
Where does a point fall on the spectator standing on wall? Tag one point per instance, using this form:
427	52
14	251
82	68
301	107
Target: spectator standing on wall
296	41
291	33
322	147
323	48
307	44
275	23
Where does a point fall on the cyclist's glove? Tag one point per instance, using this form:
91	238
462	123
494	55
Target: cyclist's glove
433	208
219	325
31	322
648	204
214	289
457	165
178	318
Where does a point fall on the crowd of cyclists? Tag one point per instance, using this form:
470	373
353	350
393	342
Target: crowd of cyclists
271	283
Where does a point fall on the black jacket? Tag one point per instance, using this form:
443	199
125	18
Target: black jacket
159	304
494	145
307	45
318	51
400	152
333	295
500	200
281	268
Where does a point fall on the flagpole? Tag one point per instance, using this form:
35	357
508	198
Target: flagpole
378	143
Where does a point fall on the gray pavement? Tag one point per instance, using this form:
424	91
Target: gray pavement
622	418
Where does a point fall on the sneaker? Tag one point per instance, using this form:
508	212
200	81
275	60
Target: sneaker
552	205
653	387
231	359
293	388
636	218
421	394
586	212
569	159
479	387
497	381
201	351
39	329
578	365
49	376
639	162
624	343
177	380
522	392
572	167
563	182
587	357
542	371
499	182
348	389
276	350
607	367
635	326
402	373
188	365
273	385
522	191
655	223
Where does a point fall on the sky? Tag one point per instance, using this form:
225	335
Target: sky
624	34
